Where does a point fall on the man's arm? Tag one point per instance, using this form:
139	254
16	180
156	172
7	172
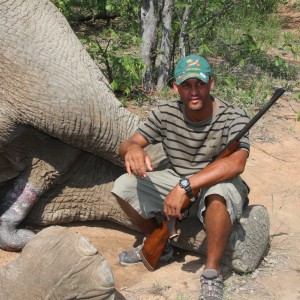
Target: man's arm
218	171
136	159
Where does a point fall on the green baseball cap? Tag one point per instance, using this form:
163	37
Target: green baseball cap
192	66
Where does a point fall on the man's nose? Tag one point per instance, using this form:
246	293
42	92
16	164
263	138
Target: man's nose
194	89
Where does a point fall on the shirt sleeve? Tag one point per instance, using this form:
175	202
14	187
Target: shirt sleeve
151	129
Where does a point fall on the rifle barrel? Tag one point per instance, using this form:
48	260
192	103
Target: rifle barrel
277	94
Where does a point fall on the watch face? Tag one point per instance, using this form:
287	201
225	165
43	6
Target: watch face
184	182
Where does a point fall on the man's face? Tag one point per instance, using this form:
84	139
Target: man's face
194	93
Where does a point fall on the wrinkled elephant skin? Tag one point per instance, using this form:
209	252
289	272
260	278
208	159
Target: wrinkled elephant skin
65	266
54	101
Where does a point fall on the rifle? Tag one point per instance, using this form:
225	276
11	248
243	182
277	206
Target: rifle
155	244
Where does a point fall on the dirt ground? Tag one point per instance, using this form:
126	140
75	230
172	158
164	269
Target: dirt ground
273	173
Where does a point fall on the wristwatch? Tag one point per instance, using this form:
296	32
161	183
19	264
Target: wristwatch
185	184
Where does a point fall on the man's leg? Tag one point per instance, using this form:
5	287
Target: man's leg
141	200
145	225
218	228
135	192
223	204
132	256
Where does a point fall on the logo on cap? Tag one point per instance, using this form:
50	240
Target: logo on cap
193	63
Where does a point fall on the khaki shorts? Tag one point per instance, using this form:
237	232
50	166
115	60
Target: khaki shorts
146	195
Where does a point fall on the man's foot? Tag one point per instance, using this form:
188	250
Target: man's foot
211	285
132	256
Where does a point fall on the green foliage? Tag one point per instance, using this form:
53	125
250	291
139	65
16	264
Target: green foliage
252	42
249	93
241	38
297	96
76	9
127	69
118	62
290	44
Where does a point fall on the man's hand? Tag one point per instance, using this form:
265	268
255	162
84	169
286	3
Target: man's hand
173	203
218	171
137	161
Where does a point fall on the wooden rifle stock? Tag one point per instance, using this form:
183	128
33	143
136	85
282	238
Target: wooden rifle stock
155	244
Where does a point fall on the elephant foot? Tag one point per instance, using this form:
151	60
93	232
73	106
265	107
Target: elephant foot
15	207
12	239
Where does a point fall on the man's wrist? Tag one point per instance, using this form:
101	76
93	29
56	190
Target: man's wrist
131	146
184	183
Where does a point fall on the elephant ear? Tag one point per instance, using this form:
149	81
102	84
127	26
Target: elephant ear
58	263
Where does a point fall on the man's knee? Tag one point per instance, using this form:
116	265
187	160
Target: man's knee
124	182
215	200
216	209
125	187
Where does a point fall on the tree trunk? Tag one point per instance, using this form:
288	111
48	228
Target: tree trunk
165	49
149	22
182	36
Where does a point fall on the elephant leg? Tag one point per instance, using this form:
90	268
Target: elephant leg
33	182
15	207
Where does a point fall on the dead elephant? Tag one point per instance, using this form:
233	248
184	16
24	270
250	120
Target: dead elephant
60	129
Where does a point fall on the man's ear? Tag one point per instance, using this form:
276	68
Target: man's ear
211	83
175	87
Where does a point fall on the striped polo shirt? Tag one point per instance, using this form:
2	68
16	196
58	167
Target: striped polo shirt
190	146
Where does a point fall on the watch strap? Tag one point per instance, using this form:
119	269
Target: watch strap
188	189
